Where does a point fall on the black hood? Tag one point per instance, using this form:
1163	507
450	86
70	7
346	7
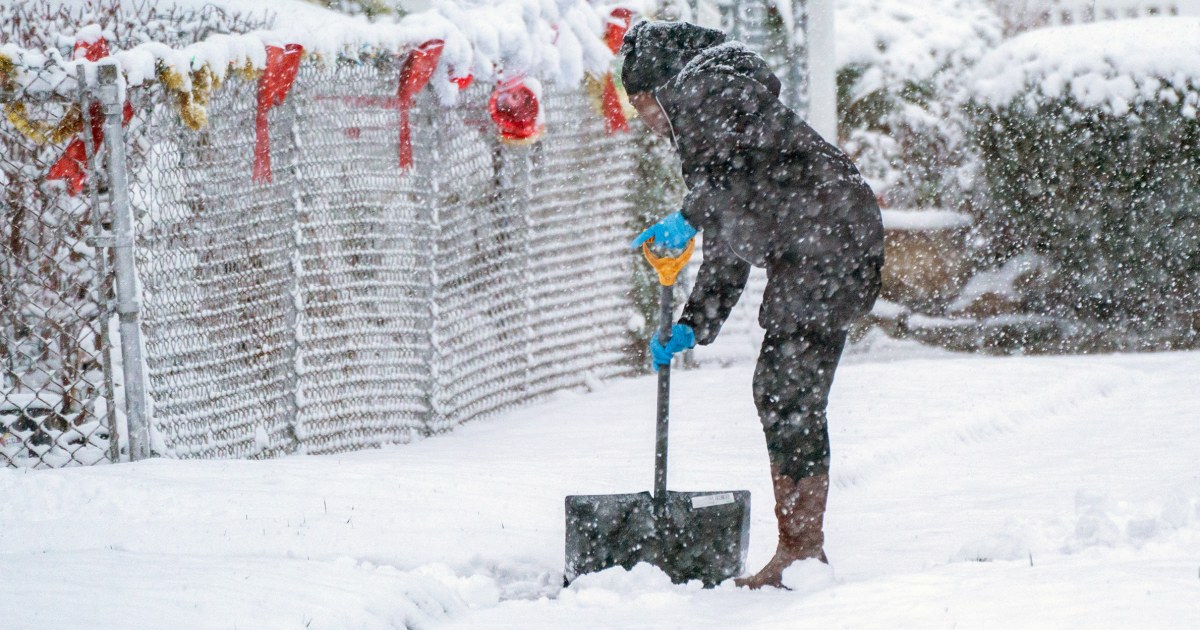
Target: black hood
733	60
657	51
726	81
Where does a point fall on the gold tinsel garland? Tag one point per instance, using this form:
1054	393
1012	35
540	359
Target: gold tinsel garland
191	104
593	88
42	132
7	70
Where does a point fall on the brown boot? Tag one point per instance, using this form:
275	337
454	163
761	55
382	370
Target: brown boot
800	508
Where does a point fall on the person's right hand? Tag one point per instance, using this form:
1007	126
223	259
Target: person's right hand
672	232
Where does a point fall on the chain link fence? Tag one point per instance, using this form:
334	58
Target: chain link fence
347	303
56	399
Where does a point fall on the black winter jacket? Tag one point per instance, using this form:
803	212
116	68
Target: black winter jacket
768	191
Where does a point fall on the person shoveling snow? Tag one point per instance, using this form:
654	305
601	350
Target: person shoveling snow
767	191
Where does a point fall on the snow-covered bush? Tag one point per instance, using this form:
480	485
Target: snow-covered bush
900	69
1091	147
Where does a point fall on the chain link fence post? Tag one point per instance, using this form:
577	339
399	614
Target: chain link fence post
101	241
128	299
437	415
533	163
295	315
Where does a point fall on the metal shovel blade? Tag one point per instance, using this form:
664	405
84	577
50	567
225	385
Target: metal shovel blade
694	536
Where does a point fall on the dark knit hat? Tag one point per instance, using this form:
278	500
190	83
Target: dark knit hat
656	51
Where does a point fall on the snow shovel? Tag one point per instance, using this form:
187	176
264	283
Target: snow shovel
689	535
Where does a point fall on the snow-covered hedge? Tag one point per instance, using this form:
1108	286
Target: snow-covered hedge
900	69
1091	147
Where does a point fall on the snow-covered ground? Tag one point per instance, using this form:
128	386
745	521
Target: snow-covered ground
1057	492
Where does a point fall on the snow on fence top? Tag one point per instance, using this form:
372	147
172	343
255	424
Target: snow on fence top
913	41
1075	11
1109	66
558	40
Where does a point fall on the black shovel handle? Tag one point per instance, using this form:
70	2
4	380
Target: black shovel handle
668	270
664	400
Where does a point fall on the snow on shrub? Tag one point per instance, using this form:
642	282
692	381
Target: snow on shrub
1091	148
900	67
1107	66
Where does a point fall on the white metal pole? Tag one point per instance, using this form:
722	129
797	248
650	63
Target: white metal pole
822	68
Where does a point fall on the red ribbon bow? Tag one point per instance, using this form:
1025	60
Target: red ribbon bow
515	109
414	76
71	167
273	87
614	30
610	100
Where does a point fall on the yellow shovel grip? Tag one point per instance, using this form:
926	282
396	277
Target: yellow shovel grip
668	268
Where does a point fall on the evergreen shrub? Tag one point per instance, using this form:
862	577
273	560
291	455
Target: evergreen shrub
1090	143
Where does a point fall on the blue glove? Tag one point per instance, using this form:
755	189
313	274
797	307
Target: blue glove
672	232
682	338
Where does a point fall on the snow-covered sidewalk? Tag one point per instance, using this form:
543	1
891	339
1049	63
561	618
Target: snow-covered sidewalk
969	492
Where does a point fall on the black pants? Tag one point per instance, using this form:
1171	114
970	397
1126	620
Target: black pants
791	390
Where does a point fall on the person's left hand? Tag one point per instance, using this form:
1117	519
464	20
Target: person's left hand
682	338
672	232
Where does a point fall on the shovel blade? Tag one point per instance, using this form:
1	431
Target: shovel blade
694	536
